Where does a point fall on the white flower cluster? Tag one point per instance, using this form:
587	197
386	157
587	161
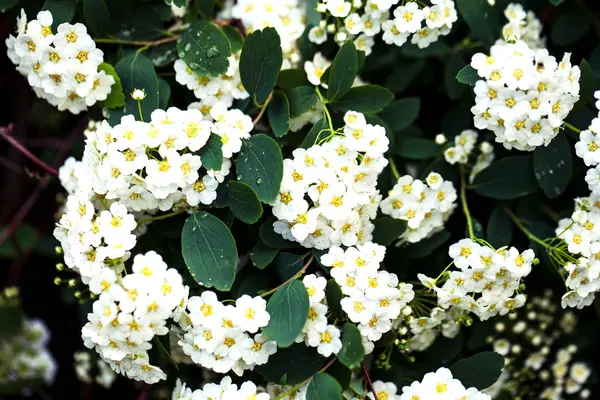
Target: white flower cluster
104	377
464	145
440	385
581	233
422	331
219	336
493	274
25	356
362	21
569	377
130	311
588	147
373	298
286	16
328	194
424	205
523	25
224	390
212	90
148	166
61	66
524	95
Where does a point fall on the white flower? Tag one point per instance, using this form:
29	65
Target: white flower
251	313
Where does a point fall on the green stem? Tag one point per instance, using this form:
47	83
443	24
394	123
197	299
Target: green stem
164	216
325	110
296	276
526	231
140	110
573	128
442	273
394	168
162	347
137	42
298	386
463	199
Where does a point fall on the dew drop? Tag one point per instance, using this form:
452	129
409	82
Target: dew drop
259	181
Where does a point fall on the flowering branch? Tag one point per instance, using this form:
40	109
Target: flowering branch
297	275
368	378
325	110
5	133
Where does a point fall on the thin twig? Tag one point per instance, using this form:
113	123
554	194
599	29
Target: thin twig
138	42
368	378
263	109
11	165
5	133
298	274
34	196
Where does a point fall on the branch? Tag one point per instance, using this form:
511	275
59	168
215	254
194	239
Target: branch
5	133
368	378
263	109
297	275
138	42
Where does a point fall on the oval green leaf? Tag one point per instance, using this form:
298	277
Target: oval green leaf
116	97
211	154
302	99
387	230
553	166
137	72
365	99
97	16
288	308
401	113
262	255
209	251
288	265
507	179
205	49
291	365
418	149
479	371
353	351
260	63
343	71
243	202
323	387
236	40
279	114
468	75
260	165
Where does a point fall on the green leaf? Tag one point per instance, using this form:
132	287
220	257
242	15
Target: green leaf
205	49
211	154
426	246
453	67
401	113
499	228
553	167
323	387
418	149
272	238
116	97
365	99
302	99
507	179
288	264
243	202
7	4
481	18
295	363
570	26
479	371
468	76
260	165
288	308
334	296
236	40
341	373
315	134
209	251
289	79
62	11
352	352
206	8
164	93
279	113
387	230
404	75
343	70
97	16
163	54
262	255
587	84
260	63
137	72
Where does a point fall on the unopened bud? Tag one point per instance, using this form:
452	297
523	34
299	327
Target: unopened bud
57	281
138	94
58	250
77	294
440	139
60	267
72	282
536	261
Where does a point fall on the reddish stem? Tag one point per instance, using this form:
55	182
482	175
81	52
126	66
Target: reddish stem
369	382
5	133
